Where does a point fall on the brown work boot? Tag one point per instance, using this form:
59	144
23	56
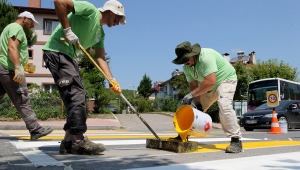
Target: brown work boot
235	146
65	147
87	147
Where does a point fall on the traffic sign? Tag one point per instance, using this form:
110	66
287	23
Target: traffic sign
272	98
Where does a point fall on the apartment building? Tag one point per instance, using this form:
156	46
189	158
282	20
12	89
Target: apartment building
163	89
47	23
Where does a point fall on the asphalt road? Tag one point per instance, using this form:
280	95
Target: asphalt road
126	148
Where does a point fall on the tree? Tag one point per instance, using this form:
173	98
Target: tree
31	37
243	81
273	68
9	15
179	83
94	82
145	87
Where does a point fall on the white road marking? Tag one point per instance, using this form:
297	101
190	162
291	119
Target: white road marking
39	158
283	161
36	144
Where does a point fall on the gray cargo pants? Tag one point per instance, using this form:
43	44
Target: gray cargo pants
65	73
18	94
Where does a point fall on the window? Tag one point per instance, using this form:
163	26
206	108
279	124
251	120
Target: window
30	54
49	87
29	90
50	25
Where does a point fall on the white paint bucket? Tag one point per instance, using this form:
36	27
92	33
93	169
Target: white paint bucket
283	126
190	121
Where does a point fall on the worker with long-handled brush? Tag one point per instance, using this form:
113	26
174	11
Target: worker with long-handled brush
84	23
211	78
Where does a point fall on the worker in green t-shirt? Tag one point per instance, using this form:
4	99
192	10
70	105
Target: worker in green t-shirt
211	78
80	22
13	65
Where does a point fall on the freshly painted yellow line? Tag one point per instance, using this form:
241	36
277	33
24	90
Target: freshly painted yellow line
97	137
247	145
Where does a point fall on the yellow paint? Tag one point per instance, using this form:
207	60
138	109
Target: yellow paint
183	121
95	137
247	145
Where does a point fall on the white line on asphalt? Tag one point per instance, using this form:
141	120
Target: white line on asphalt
39	158
106	159
283	161
36	144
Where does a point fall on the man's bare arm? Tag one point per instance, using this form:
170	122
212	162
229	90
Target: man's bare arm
13	52
102	62
208	82
62	8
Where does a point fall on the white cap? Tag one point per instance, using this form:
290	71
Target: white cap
116	7
28	15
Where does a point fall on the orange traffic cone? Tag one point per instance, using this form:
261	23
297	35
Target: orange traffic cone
275	125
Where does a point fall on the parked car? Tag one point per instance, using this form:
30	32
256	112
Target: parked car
112	108
261	117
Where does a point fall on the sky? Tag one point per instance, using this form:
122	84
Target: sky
146	44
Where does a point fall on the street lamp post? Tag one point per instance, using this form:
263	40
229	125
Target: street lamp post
133	90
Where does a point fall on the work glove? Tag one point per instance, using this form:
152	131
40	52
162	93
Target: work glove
19	74
187	99
30	67
70	36
114	86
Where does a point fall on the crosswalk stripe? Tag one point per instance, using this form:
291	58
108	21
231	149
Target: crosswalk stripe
36	144
282	161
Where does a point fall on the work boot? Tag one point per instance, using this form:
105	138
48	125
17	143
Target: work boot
41	132
87	147
65	147
235	146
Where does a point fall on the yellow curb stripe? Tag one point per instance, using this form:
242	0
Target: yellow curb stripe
247	145
96	137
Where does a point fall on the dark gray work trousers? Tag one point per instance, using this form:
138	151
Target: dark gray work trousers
18	94
66	75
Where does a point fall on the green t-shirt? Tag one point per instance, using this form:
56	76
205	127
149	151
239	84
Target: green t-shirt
13	30
85	24
210	61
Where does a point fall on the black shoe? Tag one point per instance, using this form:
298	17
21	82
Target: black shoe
42	132
235	146
65	147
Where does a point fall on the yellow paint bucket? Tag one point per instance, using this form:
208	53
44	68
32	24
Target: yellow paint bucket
190	121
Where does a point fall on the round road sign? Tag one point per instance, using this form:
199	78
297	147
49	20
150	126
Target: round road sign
272	98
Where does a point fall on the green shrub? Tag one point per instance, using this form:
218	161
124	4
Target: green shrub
169	105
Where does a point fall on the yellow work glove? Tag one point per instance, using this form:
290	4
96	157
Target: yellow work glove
114	86
30	67
19	74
